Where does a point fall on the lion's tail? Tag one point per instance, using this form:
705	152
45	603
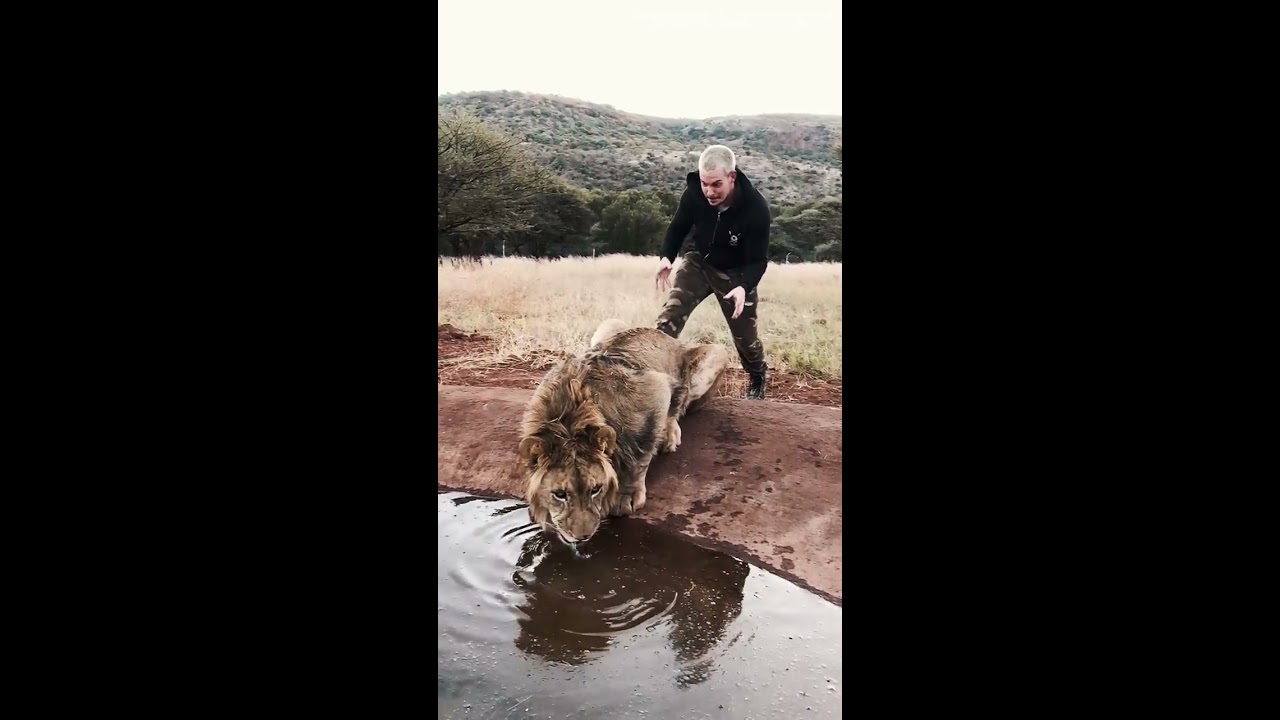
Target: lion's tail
607	328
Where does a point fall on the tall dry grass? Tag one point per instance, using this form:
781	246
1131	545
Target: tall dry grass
535	308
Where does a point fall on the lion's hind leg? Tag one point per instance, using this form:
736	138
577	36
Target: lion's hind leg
679	401
704	371
672	441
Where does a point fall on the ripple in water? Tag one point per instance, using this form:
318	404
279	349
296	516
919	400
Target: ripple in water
632	616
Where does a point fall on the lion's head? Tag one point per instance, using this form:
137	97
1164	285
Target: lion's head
567	446
572	484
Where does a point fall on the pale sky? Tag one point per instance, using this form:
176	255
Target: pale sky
652	57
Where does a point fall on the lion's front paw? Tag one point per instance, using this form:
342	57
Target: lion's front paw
672	440
624	505
629	503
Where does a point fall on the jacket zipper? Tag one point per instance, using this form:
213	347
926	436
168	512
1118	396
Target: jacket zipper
714	230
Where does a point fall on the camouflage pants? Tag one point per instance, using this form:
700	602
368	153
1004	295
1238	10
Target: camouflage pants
694	281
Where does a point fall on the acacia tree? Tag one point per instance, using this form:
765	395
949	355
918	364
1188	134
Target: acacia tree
486	183
560	223
633	223
817	227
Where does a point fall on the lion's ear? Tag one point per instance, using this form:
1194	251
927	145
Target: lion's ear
606	439
531	448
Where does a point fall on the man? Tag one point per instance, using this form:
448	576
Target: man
730	221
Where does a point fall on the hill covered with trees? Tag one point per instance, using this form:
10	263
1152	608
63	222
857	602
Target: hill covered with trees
543	175
789	157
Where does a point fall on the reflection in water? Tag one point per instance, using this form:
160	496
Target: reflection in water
629	575
637	623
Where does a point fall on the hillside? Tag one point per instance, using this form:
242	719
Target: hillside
790	157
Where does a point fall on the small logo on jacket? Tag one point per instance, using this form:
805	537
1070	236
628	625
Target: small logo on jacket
733	240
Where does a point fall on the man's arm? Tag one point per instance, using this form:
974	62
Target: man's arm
678	228
757	252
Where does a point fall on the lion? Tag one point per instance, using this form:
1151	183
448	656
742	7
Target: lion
598	419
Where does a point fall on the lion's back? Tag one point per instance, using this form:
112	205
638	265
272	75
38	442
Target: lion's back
645	347
598	388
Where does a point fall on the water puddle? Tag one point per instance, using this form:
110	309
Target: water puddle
638	623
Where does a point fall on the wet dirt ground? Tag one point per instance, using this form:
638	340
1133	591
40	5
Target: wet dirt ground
761	481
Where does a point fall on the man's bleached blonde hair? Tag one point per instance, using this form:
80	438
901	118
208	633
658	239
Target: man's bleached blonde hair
717	157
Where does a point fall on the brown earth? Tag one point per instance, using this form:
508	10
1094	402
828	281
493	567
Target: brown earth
760	481
454	346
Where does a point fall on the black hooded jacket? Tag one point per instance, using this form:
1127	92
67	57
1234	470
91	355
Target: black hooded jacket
735	240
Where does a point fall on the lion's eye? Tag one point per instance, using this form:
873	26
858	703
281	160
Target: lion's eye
595	491
560	495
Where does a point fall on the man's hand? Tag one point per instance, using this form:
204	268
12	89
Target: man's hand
739	297
664	276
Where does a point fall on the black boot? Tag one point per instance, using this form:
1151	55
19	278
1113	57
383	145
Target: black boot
756	391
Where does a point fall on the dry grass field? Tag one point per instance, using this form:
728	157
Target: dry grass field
529	313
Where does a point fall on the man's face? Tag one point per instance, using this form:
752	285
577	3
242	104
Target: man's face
717	185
